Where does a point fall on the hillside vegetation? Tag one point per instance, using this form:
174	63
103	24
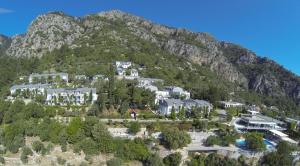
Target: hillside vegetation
208	68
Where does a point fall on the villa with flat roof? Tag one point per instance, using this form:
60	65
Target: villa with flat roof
258	122
53	76
77	96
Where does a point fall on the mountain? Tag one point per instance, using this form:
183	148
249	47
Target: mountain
118	32
4	43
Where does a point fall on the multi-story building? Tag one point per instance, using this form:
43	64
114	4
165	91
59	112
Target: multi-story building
123	64
77	96
39	77
31	88
167	105
147	81
178	92
230	104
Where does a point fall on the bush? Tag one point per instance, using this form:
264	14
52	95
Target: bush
154	160
24	158
2	160
254	141
27	151
173	138
172	159
212	140
133	150
38	146
134	127
114	162
61	161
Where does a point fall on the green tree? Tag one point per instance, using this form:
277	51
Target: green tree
38	146
111	84
173	159
173	114
200	124
283	155
2	160
254	141
103	139
24	155
114	162
154	160
173	138
181	113
134	127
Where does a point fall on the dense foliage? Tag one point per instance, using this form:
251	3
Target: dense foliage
173	159
222	138
214	159
173	138
90	135
254	141
281	157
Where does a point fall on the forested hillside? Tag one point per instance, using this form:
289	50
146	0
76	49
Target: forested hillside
89	45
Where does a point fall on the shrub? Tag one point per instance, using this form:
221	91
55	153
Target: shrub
173	138
2	160
38	146
114	162
172	159
134	127
61	161
254	141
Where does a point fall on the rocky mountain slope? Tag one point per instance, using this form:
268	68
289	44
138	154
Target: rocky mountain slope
4	43
234	63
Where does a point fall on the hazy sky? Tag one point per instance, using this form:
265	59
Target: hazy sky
268	27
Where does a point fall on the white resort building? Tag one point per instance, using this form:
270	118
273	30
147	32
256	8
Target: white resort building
166	105
258	122
38	77
31	88
178	92
78	96
229	104
123	64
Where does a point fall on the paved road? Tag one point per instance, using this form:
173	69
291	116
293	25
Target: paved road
145	120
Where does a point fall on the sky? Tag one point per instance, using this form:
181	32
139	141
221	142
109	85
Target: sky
270	28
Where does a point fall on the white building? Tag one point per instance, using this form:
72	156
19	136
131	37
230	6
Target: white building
161	95
178	92
147	81
79	96
123	64
259	122
134	73
81	77
53	76
121	71
228	104
167	105
99	77
36	88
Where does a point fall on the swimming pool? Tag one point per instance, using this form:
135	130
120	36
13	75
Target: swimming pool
241	143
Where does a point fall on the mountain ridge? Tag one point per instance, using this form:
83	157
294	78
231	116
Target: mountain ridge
236	64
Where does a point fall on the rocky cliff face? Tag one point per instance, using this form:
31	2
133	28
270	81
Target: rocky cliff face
4	43
234	63
46	33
